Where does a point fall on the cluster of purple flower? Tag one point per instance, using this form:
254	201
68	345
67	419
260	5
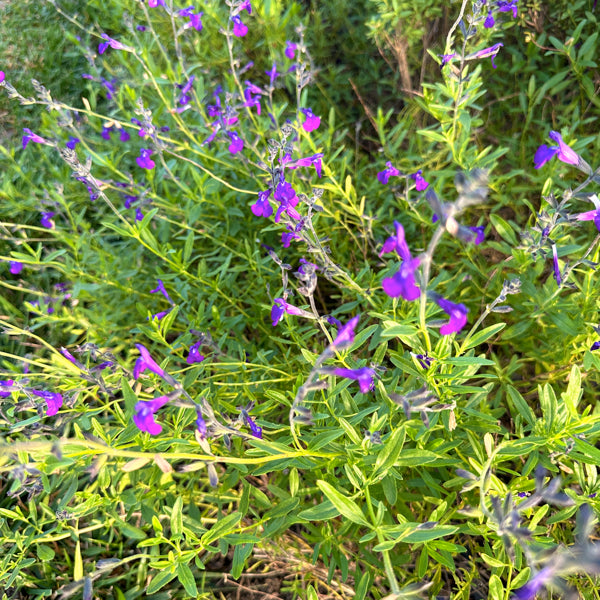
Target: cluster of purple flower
53	400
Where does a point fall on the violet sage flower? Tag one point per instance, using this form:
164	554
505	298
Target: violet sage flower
591	215
201	423
124	135
489	21
114	44
402	283
563	152
54	400
239	29
287	198
194	355
420	183
4	385
365	377
311	122
280	307
255	430
145	361
15	267
144	414
237	144
446	58
160	288
507	5
531	589
262	207
139	215
491	52
46	220
290	50
2	76
314	160
144	161
29	136
155	3
195	18
557	274
345	335
457	314
389	171
398	243
73	141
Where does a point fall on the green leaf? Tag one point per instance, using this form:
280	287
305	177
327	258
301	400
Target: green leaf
483	335
159	581
504	230
415	457
322	512
45	553
185	576
573	394
78	563
496	589
222	527
240	555
426	535
521	406
346	507
390	452
177	517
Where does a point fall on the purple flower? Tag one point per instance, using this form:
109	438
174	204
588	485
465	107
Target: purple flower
489	21
446	58
595	346
111	90
184	97
245	6
262	207
145	361
280	306
144	414
314	160
398	243
29	136
557	274
160	287
110	42
312	122
287	198
15	267
106	132
365	377
70	357
345	335
507	5
194	356
139	215
388	172
420	183
143	160
155	3
129	200
2	76
237	143
591	215
46	220
195	19
563	152
457	313
124	135
252	101
239	29
255	430
73	141
201	423
6	383
54	400
273	74
403	282
290	50
291	234
491	52
478	231
531	589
